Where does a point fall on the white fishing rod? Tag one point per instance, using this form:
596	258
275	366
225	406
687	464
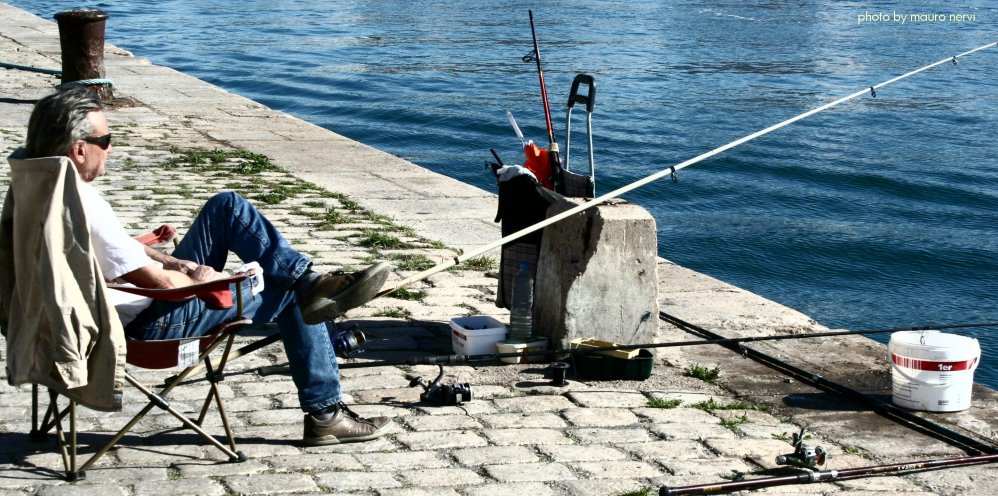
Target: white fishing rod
658	175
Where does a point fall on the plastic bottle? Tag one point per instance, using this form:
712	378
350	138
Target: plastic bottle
521	324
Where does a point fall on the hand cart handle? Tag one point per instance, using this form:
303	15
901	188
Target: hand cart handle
589	99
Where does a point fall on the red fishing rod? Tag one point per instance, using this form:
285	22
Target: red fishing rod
826	475
553	159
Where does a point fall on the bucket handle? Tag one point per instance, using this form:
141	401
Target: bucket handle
977	361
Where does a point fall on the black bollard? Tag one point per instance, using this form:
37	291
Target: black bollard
81	36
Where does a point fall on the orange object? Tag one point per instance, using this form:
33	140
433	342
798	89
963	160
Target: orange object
539	162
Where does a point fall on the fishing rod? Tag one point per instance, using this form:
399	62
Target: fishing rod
553	159
668	171
827	475
888	410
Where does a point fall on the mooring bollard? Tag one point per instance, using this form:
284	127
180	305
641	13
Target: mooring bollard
81	36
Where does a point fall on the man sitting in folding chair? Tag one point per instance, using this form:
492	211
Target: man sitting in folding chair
72	123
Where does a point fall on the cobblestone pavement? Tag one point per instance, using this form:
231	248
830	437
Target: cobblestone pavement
520	435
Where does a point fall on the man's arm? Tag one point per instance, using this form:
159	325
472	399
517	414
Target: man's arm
174	273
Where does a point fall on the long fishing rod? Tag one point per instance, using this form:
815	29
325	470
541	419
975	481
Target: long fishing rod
669	171
826	475
457	358
553	159
888	410
435	360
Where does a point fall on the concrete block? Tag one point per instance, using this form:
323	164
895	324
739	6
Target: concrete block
596	276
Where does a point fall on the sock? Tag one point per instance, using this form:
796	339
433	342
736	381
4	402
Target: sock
326	413
306	281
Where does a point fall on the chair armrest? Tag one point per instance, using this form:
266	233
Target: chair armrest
158	236
214	293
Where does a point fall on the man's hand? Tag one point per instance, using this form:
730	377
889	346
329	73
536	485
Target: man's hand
204	273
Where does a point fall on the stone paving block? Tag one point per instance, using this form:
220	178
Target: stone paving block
440	439
180	487
611	436
220	469
523	420
402	460
529	472
531	488
762	451
309	462
441	422
712	467
441	477
83	490
379	445
533	404
486	392
271	417
418	491
475	408
108	475
356	481
681	449
692	431
624	469
609	399
494	455
681	414
579	453
269	483
604	487
521	437
600	417
158	455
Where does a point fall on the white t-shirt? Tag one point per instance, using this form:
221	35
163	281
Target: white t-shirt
117	252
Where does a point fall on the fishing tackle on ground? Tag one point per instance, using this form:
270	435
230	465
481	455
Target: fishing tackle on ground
804	456
443	394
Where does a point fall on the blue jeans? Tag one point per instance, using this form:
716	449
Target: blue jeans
228	222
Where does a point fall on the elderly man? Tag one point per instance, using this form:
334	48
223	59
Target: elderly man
71	123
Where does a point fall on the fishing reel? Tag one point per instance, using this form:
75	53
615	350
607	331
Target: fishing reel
804	456
443	394
347	343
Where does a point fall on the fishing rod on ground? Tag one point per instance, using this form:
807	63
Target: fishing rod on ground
827	475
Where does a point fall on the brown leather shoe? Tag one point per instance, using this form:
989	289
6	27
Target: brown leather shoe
345	427
335	293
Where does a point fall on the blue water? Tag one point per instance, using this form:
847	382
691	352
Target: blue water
880	213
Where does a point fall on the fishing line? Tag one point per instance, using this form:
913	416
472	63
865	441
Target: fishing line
669	171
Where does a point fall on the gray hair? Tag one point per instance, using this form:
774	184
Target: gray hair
59	120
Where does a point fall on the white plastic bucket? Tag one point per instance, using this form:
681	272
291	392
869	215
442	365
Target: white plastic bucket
476	335
932	370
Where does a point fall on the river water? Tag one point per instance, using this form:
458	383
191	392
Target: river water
879	213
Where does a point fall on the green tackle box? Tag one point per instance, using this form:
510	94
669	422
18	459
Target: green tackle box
595	366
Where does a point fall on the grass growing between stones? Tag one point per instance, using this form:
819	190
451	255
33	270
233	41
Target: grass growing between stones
645	491
732	424
482	263
664	403
393	312
409	295
409	261
711	405
705	374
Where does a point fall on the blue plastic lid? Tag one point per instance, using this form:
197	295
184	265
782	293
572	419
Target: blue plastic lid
524	266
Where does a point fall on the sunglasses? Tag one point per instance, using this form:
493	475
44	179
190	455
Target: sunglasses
102	141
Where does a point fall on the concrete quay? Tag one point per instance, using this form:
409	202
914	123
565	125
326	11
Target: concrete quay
347	204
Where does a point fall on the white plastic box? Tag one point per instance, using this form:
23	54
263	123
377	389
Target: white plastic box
476	335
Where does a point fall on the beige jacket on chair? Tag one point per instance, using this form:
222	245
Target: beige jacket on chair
61	330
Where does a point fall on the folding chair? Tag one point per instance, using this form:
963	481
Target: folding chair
188	353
